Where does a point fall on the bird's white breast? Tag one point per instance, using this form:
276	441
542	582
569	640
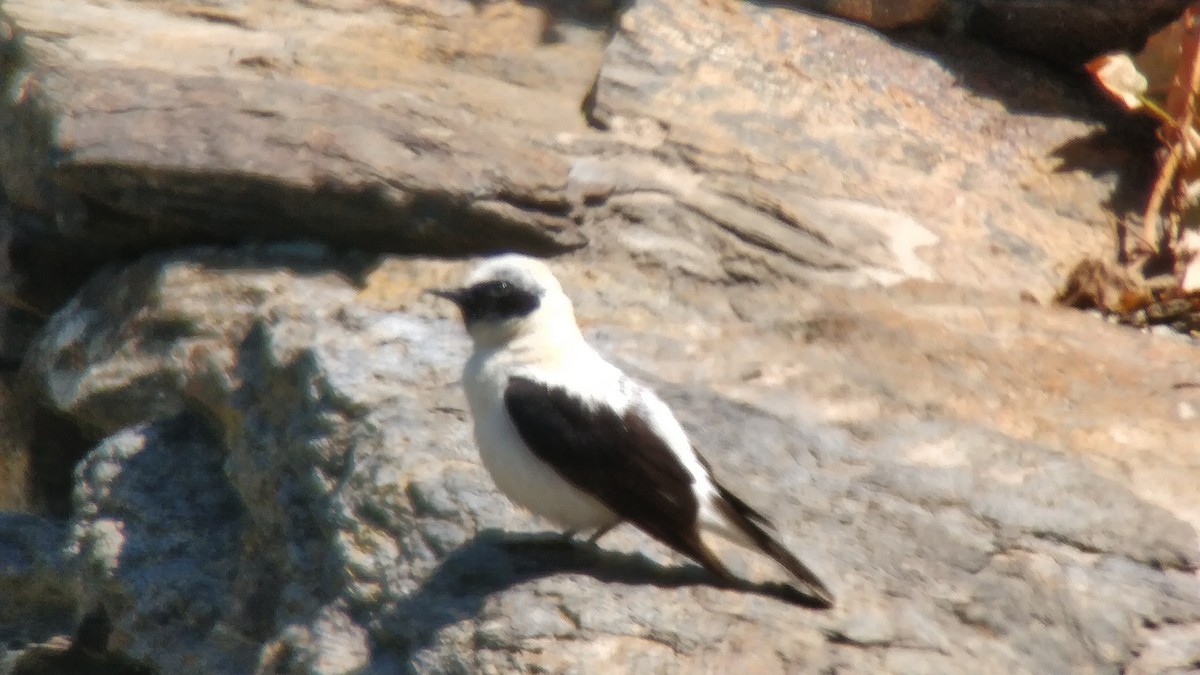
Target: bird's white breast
520	475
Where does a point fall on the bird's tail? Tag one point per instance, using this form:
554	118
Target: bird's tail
750	523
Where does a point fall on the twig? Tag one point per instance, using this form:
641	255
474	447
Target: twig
1130	232
1191	44
1166	175
1155	110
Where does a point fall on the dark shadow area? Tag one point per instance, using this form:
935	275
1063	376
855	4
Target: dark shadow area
45	268
178	208
1063	34
1025	82
58	442
39	602
1124	151
593	14
1121	150
168	207
1067	33
86	654
494	561
56	446
1022	83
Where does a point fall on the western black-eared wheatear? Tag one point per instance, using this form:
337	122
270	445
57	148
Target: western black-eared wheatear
568	436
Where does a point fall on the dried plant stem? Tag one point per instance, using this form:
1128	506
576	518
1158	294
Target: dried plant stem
1166	175
1181	108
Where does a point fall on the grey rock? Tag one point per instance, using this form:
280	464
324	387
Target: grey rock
1171	650
161	561
722	229
809	237
185	318
360	534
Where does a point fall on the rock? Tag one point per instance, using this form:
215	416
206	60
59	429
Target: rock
448	135
321	120
90	374
1169	651
811	238
39	592
827	154
357	531
723	230
187	317
161	563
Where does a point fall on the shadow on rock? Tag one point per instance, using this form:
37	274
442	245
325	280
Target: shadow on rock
494	561
1022	83
1124	151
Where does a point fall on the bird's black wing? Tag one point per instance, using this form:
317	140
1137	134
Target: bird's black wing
614	456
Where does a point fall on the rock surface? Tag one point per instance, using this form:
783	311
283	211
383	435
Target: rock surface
373	128
829	168
809	236
343	522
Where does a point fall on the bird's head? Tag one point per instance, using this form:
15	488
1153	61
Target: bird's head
509	296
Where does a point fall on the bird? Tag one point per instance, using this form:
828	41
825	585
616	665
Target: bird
568	436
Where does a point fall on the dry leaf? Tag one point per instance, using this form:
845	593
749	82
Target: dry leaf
1160	57
1118	75
1093	284
1132	301
1180	91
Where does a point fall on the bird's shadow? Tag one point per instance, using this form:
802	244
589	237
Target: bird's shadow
493	561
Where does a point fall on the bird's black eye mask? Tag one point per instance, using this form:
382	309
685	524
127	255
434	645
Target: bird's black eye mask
495	301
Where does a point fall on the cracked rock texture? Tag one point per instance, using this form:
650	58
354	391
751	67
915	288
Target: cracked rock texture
325	512
236	443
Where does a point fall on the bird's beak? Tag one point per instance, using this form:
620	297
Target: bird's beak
455	295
